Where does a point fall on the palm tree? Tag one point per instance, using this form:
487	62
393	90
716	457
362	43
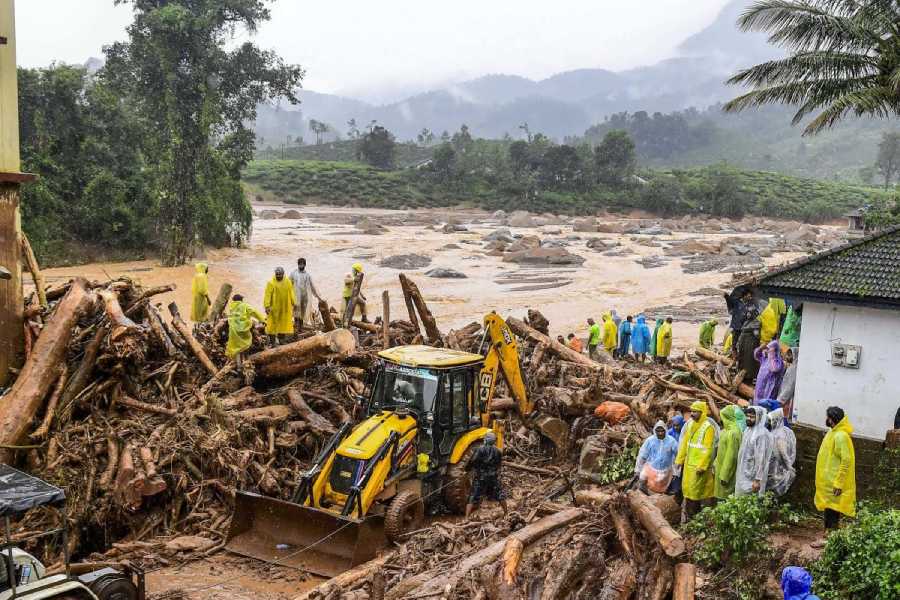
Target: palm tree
844	58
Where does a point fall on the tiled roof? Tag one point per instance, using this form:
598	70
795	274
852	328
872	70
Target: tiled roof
866	270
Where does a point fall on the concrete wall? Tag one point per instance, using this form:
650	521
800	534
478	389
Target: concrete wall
9	115
869	395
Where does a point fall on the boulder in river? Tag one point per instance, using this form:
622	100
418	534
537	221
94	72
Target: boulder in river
543	256
442	273
584	225
405	262
269	214
291	214
525	243
454	228
520	218
501	234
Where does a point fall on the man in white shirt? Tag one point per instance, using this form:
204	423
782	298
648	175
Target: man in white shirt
303	285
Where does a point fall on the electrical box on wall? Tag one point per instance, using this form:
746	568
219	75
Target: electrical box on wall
845	355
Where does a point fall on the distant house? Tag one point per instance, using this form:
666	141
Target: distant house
856	221
850	338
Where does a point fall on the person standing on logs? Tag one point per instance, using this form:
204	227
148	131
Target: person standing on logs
240	328
737	308
593	338
696	453
200	301
303	286
486	463
664	342
349	281
279	302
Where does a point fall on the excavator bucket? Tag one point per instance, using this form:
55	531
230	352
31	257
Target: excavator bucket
301	536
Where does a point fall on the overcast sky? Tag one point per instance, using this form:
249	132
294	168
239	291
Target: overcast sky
375	47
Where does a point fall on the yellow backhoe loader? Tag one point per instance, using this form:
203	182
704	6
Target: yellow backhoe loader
427	411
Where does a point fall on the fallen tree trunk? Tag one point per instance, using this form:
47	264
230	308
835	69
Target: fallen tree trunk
624	530
185	332
347	579
620	583
354	298
565	569
317	421
41	432
115	313
35	269
327	319
159	332
412	290
218	307
527	535
385	319
40	371
713	356
519	328
266	414
292	359
136	304
685	581
410	308
656	525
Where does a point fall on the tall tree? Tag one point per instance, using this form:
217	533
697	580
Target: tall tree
844	59
614	158
195	93
888	161
377	148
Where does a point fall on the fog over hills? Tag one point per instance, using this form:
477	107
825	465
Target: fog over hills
564	104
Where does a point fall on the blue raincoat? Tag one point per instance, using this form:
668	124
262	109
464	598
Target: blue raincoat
677	421
640	336
796	584
659	453
624	338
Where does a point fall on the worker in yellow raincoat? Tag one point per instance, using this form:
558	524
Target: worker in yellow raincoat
349	280
610	333
279	302
770	320
240	325
708	333
696	452
664	341
200	301
836	470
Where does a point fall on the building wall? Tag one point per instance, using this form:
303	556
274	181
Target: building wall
9	116
869	395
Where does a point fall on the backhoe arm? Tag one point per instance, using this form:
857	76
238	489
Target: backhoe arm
502	355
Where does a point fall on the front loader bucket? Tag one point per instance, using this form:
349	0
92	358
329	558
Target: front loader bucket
301	536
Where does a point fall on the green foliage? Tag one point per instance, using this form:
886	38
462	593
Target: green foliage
405	154
377	148
732	533
193	97
664	196
615	158
618	467
843	59
888	161
862	559
661	136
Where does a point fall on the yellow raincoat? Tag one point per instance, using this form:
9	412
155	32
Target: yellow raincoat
664	340
726	347
836	469
610	332
696	450
240	323
200	293
350	279
769	320
279	302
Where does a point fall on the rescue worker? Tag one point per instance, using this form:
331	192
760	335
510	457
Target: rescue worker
561	340
676	423
790	333
349	281
303	287
696	452
625	336
593	338
240	326
640	338
738	309
708	333
796	584
789	383
771	372
836	470
200	301
279	302
727	452
610	333
754	456
574	343
784	452
656	460
747	343
664	342
654	339
770	320
486	463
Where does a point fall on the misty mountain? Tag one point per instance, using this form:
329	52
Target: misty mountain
562	105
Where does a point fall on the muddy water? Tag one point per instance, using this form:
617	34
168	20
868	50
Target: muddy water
330	244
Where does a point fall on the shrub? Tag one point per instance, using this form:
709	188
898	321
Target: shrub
862	560
733	532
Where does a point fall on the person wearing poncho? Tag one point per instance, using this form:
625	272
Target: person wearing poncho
664	341
789	383
640	338
655	460
200	293
754	456
696	452
784	452
796	584
727	452
610	333
790	332
240	325
836	469
279	302
770	320
708	333
654	339
771	372
625	331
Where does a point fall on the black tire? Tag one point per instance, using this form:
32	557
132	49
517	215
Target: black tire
114	587
405	513
458	483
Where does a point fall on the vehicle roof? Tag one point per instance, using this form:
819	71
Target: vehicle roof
427	356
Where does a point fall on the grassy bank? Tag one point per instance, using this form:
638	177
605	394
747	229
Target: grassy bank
354	184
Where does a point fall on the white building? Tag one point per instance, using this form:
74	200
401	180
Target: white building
850	337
